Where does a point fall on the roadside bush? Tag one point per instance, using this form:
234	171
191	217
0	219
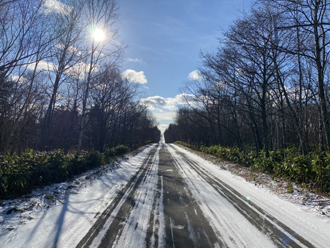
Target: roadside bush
20	174
264	163
120	150
93	159
312	169
115	151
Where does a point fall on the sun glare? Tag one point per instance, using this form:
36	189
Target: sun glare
98	34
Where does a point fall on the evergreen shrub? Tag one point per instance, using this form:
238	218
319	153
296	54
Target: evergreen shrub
312	169
20	174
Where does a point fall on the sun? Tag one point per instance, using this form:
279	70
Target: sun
98	34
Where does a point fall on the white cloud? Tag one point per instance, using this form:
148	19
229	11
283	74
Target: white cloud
181	99
57	7
184	98
71	49
80	69
59	46
151	108
135	60
19	79
171	107
134	76
195	75
162	127
165	109
42	65
169	103
74	50
165	115
154	101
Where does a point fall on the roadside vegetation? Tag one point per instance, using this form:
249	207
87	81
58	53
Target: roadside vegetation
65	106
263	102
31	169
61	85
311	171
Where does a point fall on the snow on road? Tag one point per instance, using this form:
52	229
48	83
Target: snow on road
312	228
134	232
64	225
130	199
233	228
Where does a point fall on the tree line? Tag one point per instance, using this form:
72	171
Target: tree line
60	82
259	93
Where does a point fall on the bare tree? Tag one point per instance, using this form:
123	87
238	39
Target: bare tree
24	34
65	54
312	19
101	16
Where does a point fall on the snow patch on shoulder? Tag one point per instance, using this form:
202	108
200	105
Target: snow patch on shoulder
61	214
313	227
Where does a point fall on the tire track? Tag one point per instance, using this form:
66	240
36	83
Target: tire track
156	230
134	232
118	209
280	234
186	225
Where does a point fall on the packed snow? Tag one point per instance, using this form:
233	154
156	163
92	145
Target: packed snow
60	215
308	224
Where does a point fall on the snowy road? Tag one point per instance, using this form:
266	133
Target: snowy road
174	202
169	197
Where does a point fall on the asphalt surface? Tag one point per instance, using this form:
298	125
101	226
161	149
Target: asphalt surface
176	218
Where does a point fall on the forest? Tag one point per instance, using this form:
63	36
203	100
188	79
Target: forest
263	95
64	105
60	80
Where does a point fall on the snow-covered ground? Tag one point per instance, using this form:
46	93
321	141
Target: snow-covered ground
64	212
134	231
305	220
304	198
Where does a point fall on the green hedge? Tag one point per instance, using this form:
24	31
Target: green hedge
20	174
311	170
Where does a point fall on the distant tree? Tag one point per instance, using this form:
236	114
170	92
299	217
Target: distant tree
254	91
100	15
60	86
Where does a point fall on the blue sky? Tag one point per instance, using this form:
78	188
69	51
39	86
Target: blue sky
164	40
